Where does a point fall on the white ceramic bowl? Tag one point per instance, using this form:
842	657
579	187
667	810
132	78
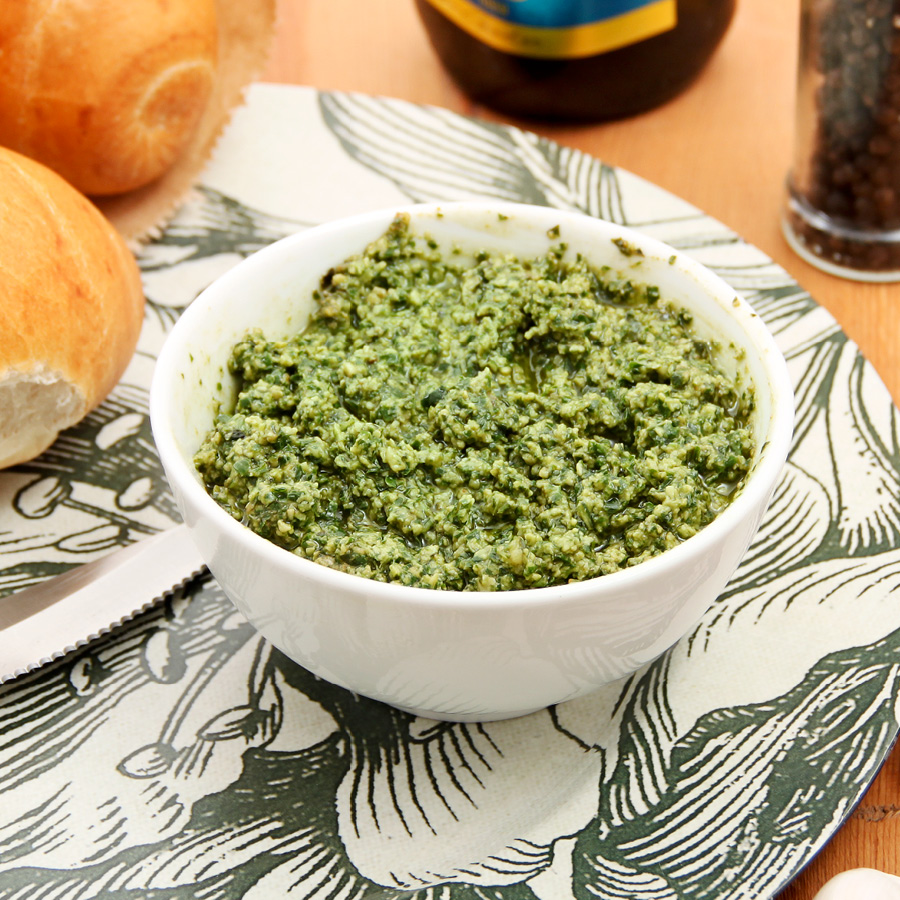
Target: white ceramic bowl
465	656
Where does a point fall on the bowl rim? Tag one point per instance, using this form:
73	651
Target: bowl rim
756	487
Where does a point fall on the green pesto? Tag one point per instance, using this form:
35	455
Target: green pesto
491	425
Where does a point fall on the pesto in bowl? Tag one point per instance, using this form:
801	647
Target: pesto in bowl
486	424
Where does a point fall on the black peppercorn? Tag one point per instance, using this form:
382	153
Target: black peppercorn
844	203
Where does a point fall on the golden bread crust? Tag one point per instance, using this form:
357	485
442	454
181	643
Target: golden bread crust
103	92
73	299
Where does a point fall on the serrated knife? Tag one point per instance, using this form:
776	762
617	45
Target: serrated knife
48	620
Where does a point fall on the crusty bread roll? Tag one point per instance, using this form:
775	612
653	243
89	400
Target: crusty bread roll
105	92
71	307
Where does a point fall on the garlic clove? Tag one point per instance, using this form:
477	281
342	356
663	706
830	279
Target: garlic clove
861	884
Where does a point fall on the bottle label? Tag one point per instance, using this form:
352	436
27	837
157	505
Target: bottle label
550	29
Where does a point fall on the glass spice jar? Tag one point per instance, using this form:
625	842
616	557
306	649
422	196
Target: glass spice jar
843	193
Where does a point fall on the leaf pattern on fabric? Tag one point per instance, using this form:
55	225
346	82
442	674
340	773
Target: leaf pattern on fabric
748	786
183	756
414	815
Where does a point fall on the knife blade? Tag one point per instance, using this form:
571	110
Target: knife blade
48	620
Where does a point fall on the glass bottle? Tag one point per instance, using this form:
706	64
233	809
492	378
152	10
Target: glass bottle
843	192
588	60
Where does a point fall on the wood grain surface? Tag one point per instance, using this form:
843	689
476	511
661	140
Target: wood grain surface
724	145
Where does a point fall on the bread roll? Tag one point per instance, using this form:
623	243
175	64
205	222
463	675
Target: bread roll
105	92
71	311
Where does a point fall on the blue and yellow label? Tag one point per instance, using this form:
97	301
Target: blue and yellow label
560	29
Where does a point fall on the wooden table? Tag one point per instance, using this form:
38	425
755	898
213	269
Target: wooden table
725	145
